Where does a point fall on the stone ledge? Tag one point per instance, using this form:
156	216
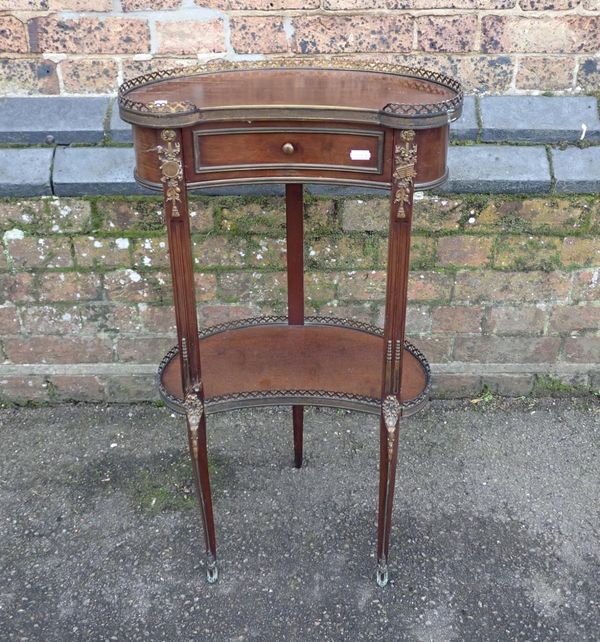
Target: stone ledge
88	119
510	169
26	172
59	120
498	169
539	119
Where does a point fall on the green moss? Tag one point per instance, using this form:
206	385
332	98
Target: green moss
547	386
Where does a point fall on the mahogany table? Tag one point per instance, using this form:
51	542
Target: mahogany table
292	121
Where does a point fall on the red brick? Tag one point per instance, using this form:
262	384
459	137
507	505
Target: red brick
434	213
429	286
586	286
143	349
461	251
509	385
258	5
130	286
575	318
435	349
452	4
89	76
23	5
365	214
23	389
349	5
447	33
57	349
579	252
151	253
362	286
331	253
557	34
68	286
77	388
206	286
355	33
356	311
213	314
455	386
252	287
12	35
547	5
527	253
30	252
80	5
149	5
99	252
534	214
219	251
18	288
547	73
52	319
521	287
258	34
121	317
418	319
457	319
513	320
133	68
190	37
506	350
130	388
89	35
21	75
583	350
158	319
588	75
9	320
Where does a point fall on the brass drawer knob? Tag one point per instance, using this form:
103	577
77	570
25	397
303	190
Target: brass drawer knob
287	148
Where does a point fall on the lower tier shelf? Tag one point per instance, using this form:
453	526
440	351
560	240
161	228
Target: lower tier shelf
265	362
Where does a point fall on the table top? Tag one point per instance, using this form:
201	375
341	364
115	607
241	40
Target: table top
390	95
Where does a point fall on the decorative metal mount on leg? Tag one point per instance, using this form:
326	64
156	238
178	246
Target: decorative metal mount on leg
405	159
194	409
391	410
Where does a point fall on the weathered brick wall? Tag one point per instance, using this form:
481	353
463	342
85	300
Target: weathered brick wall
504	291
88	46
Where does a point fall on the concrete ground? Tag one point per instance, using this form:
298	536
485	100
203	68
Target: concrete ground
496	526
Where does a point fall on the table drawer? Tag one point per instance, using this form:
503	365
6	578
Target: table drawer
242	150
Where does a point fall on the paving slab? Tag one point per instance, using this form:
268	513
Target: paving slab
495	526
539	119
95	170
466	127
54	119
498	169
25	172
119	130
577	170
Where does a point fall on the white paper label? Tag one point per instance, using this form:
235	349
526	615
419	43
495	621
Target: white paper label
360	154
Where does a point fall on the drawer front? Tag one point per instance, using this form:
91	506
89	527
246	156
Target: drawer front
287	148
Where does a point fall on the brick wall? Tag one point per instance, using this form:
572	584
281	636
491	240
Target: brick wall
504	291
85	46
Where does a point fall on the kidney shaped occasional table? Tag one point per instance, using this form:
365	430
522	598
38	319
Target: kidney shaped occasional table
291	122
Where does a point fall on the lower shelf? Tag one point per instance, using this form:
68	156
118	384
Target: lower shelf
265	362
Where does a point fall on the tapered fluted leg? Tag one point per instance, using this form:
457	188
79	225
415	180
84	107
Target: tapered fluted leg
170	156
403	174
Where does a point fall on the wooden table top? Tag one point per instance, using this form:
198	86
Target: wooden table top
387	94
